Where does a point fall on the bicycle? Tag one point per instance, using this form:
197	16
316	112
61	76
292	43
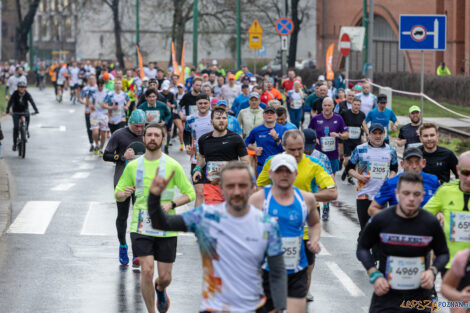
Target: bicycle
22	134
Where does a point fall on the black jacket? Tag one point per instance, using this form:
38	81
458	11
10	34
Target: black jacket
19	103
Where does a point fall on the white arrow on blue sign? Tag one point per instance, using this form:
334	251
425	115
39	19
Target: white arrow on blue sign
423	32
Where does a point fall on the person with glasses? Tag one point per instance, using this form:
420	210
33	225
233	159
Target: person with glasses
453	200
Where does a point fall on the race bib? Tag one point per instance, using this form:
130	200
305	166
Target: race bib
415	145
328	144
354	132
144	226
192	109
291	248
80	81
404	273
297	104
378	170
60	82
213	169
152	116
459	226
117	112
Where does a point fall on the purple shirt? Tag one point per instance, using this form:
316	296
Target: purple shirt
323	127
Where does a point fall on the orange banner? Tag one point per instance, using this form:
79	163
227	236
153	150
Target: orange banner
330	75
173	58
182	72
141	63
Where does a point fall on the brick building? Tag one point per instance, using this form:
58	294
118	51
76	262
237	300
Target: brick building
331	15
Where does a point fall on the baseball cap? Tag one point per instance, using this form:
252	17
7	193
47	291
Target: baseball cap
412	152
270	79
166	85
180	85
221	103
106	75
270	108
145	79
382	98
21	84
414	108
283	159
252	78
137	117
377	126
254	94
214	62
310	139
231	76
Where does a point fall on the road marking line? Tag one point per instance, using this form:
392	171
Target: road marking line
34	218
365	309
62	128
80	175
345	280
100	220
63	187
323	250
86	223
86	166
324	233
90	158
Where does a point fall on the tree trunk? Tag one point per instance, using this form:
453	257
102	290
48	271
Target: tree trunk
22	31
295	34
177	29
117	33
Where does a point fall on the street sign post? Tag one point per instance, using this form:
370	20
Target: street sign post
345	48
423	32
255	33
284	27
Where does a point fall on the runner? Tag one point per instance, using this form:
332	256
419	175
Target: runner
456	282
409	134
61	79
99	116
412	162
12	83
440	161
118	151
216	150
371	163
150	244
230	90
267	137
354	119
368	100
86	98
453	200
246	103
383	115
74	85
405	235
295	102
281	118
271	93
233	124
241	98
342	106
292	208
317	105
288	84
197	125
188	102
245	237
155	111
252	116
118	102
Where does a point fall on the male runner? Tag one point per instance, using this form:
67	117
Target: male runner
74	86
405	235
118	151
292	208
371	163
99	116
12	83
453	200
412	162
197	125
86	99
232	122
409	134
216	150
252	116
368	100
188	102
440	161
383	115
148	243
234	239
118	101
281	118
456	282
155	111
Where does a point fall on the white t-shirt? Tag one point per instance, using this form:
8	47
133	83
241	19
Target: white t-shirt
74	75
120	98
61	76
233	249
198	126
367	102
230	93
12	82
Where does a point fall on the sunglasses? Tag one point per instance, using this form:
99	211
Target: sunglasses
464	172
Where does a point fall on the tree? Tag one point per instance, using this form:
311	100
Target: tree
295	34
114	6
24	26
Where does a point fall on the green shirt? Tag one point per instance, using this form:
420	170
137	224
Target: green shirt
449	199
179	180
310	100
156	114
109	85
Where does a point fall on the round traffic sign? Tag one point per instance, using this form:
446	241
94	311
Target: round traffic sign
418	33
284	26
345	44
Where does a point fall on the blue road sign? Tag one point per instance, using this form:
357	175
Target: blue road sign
423	32
284	26
262	51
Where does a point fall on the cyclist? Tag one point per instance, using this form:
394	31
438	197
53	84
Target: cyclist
405	235
216	150
237	268
118	151
409	134
19	106
292	208
148	243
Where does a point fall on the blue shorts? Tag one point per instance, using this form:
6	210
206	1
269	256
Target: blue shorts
334	165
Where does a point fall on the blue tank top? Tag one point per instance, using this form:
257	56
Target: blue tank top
291	219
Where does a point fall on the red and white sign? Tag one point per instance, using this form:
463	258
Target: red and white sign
345	45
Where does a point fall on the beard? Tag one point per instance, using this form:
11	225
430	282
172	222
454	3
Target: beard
153	146
238	207
409	213
220	128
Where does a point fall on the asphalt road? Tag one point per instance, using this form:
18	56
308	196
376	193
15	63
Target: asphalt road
61	252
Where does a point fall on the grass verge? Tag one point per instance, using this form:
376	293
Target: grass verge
400	106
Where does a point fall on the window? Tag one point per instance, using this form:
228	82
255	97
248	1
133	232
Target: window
55	31
68	29
44	30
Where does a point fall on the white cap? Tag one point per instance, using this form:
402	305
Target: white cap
321	77
145	79
252	78
284	159
166	85
214	62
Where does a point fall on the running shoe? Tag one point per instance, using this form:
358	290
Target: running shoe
351	181
14	147
326	213
163	302
123	258
343	176
309	297
101	153
92	148
135	262
181	147
95	150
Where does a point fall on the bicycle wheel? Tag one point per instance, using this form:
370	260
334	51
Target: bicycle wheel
22	150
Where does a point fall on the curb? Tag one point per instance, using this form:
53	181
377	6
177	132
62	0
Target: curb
5	198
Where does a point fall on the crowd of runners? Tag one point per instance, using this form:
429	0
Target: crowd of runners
264	153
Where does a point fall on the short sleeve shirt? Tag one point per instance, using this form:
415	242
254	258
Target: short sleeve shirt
323	127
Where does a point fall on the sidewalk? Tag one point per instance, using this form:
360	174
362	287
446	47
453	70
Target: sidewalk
5	203
444	121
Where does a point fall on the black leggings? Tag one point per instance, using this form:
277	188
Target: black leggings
88	128
114	127
362	214
121	219
16	124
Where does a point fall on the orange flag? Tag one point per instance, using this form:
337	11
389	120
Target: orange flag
330	75
141	63
173	58
182	72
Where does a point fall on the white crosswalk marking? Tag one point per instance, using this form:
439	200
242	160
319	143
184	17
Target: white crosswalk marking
63	187
100	219
86	166
345	280
34	218
323	250
80	175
